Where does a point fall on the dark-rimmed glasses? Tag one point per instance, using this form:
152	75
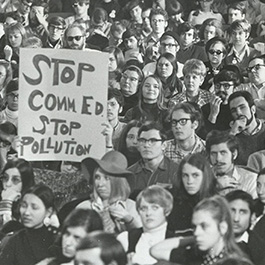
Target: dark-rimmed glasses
255	68
181	122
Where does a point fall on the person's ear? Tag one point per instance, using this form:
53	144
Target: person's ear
201	79
195	125
235	154
223	227
164	145
253	109
120	109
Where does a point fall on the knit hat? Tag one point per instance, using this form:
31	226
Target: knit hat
12	86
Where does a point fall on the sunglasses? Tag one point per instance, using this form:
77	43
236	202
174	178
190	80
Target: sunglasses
218	52
77	38
79	4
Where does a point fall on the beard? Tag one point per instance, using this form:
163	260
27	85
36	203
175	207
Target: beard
222	95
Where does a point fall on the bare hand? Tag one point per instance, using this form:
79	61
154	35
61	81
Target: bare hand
226	182
107	132
238	125
10	195
118	210
8	52
215	104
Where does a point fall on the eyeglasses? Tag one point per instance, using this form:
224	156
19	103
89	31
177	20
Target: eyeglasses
15	179
13	95
181	122
132	79
158	20
255	68
53	27
169	45
218	52
71	38
79	4
226	86
130	136
150	141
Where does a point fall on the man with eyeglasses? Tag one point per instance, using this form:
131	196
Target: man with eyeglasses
23	11
216	113
159	22
75	37
153	167
256	86
80	8
54	38
185	120
10	113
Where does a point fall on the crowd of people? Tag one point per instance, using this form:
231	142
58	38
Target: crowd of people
182	180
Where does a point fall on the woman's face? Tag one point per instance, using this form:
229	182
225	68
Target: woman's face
129	83
164	68
209	32
11	179
33	211
150	90
15	39
131	139
192	178
102	184
112	63
2	75
216	53
70	240
206	231
261	188
152	214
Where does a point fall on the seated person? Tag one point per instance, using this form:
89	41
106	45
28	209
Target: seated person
154	204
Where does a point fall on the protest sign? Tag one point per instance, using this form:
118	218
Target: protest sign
62	104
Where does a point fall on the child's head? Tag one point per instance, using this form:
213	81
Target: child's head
187	34
15	35
154	204
194	72
240	30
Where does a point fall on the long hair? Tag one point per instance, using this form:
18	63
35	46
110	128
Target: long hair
117	52
208	185
214	23
219	209
16	27
8	68
160	99
25	170
172	81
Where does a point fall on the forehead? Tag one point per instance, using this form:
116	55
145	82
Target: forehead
164	60
153	133
217	45
112	100
158	16
132	38
256	61
191	31
150	80
202	216
234	11
239	204
210	28
220	147
238	101
12	171
131	73
133	130
168	39
179	114
74	31
146	13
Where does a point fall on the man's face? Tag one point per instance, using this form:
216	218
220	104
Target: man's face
24	7
113	109
234	14
221	158
224	89
239	37
89	256
152	149
261	188
182	126
80	8
55	32
12	101
146	19
36	10
241	216
168	45
75	39
136	13
158	24
240	109
187	38
256	71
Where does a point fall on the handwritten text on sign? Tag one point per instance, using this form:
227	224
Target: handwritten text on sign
62	104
